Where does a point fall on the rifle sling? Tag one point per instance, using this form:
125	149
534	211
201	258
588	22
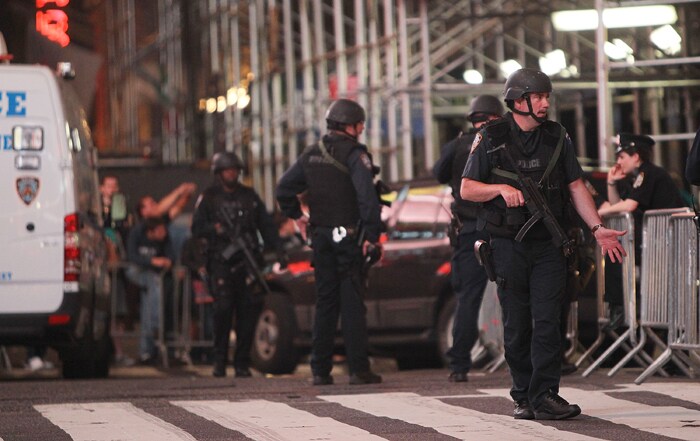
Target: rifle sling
328	157
550	166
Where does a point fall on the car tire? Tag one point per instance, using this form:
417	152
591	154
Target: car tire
273	349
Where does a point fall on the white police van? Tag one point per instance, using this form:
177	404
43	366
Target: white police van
54	280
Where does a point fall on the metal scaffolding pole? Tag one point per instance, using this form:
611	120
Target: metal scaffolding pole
390	59
307	65
255	94
375	107
427	94
321	92
290	82
602	92
406	134
361	53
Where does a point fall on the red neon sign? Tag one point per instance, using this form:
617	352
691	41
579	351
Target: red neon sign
53	23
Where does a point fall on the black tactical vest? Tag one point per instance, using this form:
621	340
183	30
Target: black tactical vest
332	197
460	207
544	165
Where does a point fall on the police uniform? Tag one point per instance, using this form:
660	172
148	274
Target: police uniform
468	277
227	277
530	274
652	188
342	200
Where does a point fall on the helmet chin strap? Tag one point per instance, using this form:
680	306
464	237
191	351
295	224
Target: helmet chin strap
529	112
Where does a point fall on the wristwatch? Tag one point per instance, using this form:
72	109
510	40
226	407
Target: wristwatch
596	227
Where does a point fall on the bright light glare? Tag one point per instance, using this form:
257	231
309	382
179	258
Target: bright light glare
553	62
509	66
231	96
221	104
243	101
618	50
472	76
636	16
211	105
667	39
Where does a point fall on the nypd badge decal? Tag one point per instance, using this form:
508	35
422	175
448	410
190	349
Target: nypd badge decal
27	189
639	181
475	143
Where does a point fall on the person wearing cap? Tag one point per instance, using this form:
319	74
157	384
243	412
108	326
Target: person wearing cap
345	223
224	210
468	277
636	185
531	273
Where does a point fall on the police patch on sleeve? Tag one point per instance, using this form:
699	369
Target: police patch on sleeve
366	161
475	143
639	181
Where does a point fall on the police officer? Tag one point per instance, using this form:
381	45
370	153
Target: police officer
337	175
468	277
225	211
636	185
530	273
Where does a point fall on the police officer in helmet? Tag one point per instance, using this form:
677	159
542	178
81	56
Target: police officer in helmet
226	211
531	273
337	176
468	277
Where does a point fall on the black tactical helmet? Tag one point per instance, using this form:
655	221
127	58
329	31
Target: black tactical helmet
223	160
344	112
631	144
483	106
524	81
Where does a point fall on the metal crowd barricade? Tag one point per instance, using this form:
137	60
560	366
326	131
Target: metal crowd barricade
114	270
682	298
653	288
620	221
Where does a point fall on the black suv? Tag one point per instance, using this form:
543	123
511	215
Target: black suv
410	303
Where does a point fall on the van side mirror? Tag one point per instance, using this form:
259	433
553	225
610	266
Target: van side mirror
119	211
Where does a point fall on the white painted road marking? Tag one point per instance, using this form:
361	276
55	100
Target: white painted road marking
264	420
671	421
447	419
110	422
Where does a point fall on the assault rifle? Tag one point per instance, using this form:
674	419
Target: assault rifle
239	245
538	208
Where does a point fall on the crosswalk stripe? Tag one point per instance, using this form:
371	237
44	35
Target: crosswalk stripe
264	420
447	419
105	421
671	421
682	391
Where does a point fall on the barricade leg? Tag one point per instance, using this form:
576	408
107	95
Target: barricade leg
616	344
5	363
655	366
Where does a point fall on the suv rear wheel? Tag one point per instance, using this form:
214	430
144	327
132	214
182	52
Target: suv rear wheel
273	345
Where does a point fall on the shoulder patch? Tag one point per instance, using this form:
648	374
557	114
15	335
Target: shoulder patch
639	181
366	161
475	143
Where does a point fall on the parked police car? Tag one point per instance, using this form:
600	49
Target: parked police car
54	282
410	303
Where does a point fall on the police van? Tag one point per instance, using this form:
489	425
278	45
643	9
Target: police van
54	280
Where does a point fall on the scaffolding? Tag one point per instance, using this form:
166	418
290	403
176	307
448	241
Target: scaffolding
256	76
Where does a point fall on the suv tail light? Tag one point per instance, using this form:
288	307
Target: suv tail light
71	251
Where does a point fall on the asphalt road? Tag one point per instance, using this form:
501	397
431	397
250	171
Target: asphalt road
145	403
